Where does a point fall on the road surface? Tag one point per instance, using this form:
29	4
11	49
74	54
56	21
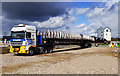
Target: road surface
95	60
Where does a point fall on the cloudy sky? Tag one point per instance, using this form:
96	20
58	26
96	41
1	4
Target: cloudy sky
76	17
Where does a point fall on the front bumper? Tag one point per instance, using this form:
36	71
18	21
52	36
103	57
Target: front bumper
21	50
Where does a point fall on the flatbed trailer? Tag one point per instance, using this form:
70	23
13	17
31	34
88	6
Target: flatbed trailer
27	40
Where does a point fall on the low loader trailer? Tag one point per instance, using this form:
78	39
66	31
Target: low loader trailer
25	39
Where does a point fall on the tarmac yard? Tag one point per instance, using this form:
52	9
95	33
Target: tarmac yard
95	60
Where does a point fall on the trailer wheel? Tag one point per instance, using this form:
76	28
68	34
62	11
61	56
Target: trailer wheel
82	46
96	44
31	52
89	45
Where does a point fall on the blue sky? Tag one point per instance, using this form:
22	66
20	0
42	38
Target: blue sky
88	4
75	17
82	18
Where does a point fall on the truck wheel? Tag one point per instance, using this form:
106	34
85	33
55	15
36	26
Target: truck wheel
31	52
38	51
96	44
89	45
82	46
45	51
51	50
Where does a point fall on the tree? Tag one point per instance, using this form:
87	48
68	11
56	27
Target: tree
5	33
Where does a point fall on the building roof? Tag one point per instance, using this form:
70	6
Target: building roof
99	28
108	28
103	28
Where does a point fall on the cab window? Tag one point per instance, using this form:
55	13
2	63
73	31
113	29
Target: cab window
28	35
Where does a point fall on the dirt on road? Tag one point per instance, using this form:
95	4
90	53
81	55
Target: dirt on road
95	60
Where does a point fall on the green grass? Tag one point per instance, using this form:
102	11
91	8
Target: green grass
103	44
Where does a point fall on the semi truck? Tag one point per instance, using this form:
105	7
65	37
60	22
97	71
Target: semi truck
26	39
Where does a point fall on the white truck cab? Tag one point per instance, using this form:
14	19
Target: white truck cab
22	38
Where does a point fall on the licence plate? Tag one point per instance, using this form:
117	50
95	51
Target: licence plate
15	53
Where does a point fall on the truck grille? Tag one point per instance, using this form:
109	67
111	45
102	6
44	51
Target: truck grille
16	43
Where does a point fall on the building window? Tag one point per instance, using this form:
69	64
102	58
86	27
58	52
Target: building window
106	30
101	29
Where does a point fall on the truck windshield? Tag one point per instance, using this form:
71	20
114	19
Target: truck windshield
16	35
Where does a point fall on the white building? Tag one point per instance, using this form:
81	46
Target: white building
107	34
100	33
104	33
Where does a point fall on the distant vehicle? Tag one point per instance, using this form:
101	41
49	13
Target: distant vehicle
114	44
25	39
6	39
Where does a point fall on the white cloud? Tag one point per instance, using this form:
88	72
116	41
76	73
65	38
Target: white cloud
1	26
85	28
57	21
71	11
7	24
109	5
0	17
98	17
81	10
52	22
104	17
77	11
92	31
80	26
0	34
95	12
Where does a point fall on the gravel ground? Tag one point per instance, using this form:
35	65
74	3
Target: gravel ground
4	44
95	60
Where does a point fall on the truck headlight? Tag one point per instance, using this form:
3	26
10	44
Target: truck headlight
22	48
11	48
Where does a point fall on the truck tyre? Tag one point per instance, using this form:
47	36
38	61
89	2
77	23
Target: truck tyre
39	51
96	44
89	45
51	51
82	46
31	52
45	51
